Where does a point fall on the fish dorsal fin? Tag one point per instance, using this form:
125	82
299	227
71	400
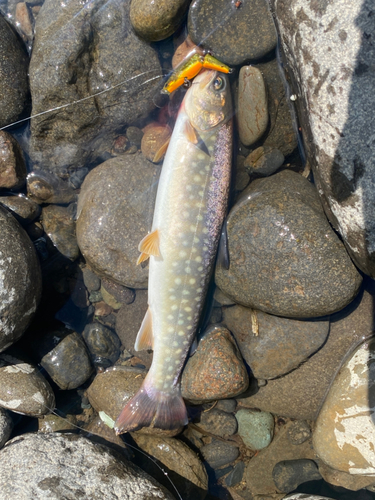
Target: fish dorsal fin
145	337
149	246
191	133
160	152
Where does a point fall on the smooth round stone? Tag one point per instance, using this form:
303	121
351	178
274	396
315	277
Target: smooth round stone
154	20
278	345
255	428
103	344
235	476
6	426
218	422
12	163
219	23
264	161
119	294
279	220
120	193
91	280
227	405
57	466
219	453
20	280
23	209
14	85
345	430
60	226
216	370
252	115
23	389
45	187
289	474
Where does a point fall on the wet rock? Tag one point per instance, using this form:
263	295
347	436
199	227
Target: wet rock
179	460
103	344
264	160
20	280
24	20
299	432
228	405
49	459
55	423
120	194
300	394
23	209
99	51
252	115
331	64
6	426
235	476
12	163
59	224
120	294
99	432
258	474
278	345
102	309
91	280
242	178
128	321
158	19
219	453
218	422
255	428
250	25
222	299
154	139
44	187
183	49
345	430
345	480
289	474
279	219
14	87
120	145
67	361
134	134
110	299
303	496
216	370
23	389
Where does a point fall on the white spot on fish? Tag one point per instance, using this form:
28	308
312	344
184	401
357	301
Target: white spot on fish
180	333
187	270
170	316
180	322
192	228
182	253
200	156
198	259
178	281
205	230
179	351
187	309
174	307
192	281
170	329
200	268
186	292
172	297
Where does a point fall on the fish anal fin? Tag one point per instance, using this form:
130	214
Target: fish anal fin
149	246
145	337
161	152
191	133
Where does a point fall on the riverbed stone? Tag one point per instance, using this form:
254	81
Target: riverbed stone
6	426
20	280
273	346
353	482
59	224
45	187
115	209
219	453
23	209
264	160
218	422
103	344
12	163
330	58
69	466
289	474
255	428
278	233
250	24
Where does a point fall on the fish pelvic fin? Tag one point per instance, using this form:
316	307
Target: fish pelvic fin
152	408
149	245
145	337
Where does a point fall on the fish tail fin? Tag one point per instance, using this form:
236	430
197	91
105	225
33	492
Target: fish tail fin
151	407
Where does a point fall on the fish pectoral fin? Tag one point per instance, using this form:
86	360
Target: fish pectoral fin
145	337
190	133
149	246
161	152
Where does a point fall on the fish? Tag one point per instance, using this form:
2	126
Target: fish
190	209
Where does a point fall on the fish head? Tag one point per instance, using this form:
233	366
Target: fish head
208	101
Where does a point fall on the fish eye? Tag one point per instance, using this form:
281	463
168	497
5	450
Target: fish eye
218	83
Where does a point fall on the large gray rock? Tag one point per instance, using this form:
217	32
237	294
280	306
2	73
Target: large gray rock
329	48
20	280
56	466
81	51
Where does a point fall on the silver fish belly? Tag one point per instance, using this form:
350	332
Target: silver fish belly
189	212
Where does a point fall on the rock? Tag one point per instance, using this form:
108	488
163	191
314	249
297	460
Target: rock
228	405
331	63
134	134
255	428
54	423
299	432
97	50
23	20
128	321
258	473
252	116
343	479
345	431
179	460
120	193
20	280
23	389
218	422
264	160
250	25
154	139
120	294
69	466
219	453
103	344
216	370
91	280
183	49
222	299
14	86
289	474
12	163
242	178
303	496
6	426
301	393
279	219
23	209
235	476
44	187
157	20
59	224
278	345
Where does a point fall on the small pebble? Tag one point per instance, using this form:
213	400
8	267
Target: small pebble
154	138
289	474
44	187
59	224
134	134
219	453
255	428
218	422
121	294
23	209
264	160
299	432
235	475
103	344
91	280
120	145
228	405
12	163
23	19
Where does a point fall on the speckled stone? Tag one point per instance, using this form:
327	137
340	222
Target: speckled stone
6	426
345	431
219	23
216	370
23	209
120	193
219	453
103	344
218	422
255	428
12	163
59	224
264	160
289	474
299	432
278	233
252	105
278	345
